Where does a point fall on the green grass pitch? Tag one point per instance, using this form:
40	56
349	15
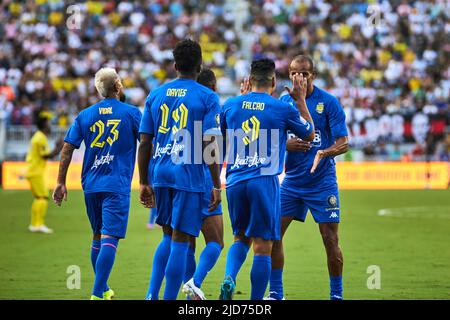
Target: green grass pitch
409	244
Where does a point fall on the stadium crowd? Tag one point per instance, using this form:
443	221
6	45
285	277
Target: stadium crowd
388	64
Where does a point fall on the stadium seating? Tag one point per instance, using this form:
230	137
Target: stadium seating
388	63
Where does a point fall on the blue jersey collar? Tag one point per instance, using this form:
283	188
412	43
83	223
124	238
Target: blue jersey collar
313	93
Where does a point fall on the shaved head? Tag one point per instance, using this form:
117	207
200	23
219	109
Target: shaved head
304	59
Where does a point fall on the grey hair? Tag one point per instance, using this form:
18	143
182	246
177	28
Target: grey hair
105	78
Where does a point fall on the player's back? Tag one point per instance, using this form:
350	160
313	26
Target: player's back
177	114
258	123
109	130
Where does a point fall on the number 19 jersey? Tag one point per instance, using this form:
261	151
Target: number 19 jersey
109	130
178	114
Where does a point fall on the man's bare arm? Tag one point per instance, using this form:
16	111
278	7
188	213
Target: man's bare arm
214	168
64	163
297	145
146	194
340	146
58	147
60	192
144	154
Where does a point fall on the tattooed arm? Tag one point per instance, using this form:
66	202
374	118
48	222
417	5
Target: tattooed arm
60	191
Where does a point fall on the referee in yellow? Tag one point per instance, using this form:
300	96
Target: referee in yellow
37	156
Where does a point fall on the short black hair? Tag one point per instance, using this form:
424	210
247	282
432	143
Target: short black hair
188	56
262	71
41	122
207	78
305	58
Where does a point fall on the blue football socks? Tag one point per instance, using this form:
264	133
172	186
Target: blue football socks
95	250
259	276
208	259
104	264
235	258
276	284
175	269
159	266
190	265
336	288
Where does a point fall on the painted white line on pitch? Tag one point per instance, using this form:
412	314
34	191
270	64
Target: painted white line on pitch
440	212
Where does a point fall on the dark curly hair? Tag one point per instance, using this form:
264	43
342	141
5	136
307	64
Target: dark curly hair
41	122
262	71
207	78
188	56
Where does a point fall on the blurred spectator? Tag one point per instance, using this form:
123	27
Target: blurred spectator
393	78
418	152
443	149
50	67
381	150
395	154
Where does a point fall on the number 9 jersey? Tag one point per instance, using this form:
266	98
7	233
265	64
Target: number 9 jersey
255	126
110	130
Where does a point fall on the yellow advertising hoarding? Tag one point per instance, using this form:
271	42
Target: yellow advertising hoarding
393	175
354	176
13	176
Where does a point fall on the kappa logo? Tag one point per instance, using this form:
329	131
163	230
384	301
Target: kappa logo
333	215
319	107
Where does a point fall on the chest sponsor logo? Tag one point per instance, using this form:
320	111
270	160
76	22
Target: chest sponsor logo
317	142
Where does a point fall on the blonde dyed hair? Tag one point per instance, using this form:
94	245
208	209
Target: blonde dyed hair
105	79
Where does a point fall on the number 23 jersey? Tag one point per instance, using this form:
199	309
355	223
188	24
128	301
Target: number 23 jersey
110	130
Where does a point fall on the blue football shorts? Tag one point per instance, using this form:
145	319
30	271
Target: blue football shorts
181	210
108	212
254	207
322	201
205	202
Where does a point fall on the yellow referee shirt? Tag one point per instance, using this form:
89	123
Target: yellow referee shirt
39	148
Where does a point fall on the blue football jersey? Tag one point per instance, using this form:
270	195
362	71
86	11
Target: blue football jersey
255	126
329	123
178	114
110	130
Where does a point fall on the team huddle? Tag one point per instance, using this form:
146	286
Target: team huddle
185	137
